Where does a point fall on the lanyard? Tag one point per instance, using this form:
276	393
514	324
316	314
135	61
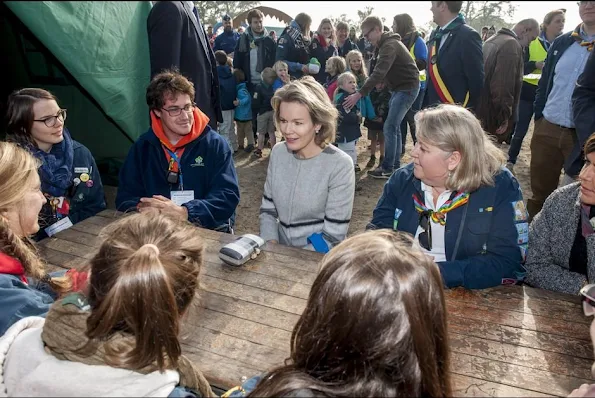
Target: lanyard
174	158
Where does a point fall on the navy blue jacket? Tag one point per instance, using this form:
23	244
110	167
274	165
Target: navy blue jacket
546	82
84	201
322	55
348	124
346	47
293	57
583	106
481	238
241	59
207	168
227	86
460	63
19	300
226	42
261	101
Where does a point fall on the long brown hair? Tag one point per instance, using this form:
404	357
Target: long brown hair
374	325
143	279
404	24
20	116
18	173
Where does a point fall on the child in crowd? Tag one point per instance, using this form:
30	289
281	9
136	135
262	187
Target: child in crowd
243	111
380	99
355	64
227	87
121	337
282	72
397	347
348	126
334	67
262	102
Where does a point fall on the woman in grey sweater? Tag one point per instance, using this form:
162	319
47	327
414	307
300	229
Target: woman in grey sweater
561	252
310	185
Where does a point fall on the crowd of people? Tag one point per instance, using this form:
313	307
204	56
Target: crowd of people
454	216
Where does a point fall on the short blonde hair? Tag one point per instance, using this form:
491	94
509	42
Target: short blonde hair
454	128
280	64
333	38
311	94
342	79
268	75
337	64
356	54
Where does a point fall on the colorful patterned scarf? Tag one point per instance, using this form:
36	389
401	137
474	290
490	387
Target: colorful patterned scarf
439	216
576	35
56	168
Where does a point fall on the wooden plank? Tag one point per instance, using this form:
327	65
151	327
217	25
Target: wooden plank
220	371
465	386
253	295
64	260
79	238
514	375
518	320
260	281
239	328
77	250
249	311
516	300
521	337
522	356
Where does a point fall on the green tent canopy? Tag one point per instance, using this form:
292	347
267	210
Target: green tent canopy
94	56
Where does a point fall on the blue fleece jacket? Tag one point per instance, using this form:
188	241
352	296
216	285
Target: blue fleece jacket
206	166
227	87
243	111
484	239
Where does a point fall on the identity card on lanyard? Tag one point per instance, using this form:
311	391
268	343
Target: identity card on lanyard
180	196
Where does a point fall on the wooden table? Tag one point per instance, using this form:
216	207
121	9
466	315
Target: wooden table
506	341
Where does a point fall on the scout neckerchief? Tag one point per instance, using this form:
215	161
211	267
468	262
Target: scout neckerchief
434	45
200	122
576	35
439	216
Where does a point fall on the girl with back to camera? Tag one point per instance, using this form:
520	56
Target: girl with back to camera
397	347
121	337
70	178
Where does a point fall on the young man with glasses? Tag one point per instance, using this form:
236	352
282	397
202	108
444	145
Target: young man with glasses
180	167
555	144
395	67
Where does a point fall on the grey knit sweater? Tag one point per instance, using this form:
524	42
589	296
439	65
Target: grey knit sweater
551	236
306	196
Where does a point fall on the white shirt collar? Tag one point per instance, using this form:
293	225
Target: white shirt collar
448	23
427	188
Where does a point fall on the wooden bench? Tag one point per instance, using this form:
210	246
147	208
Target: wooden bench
506	341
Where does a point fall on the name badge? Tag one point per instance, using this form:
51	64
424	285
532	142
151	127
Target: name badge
78	170
181	197
61	225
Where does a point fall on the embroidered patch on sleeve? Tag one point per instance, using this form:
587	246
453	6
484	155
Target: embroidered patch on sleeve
520	211
281	41
522	233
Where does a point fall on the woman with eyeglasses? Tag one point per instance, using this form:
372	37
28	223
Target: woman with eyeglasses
463	207
561	256
70	179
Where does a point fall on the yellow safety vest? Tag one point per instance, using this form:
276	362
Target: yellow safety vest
422	73
536	53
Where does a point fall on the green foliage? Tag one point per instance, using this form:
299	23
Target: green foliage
488	13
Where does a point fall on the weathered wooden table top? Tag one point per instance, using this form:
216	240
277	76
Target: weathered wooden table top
506	341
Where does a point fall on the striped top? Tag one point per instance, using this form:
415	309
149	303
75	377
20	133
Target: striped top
306	196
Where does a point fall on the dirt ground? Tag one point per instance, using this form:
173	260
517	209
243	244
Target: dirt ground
252	174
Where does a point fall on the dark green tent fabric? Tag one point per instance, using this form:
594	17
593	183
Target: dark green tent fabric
104	47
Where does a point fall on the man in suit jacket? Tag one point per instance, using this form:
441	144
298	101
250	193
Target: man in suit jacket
177	39
455	59
583	106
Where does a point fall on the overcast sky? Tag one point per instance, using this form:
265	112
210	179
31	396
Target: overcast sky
419	10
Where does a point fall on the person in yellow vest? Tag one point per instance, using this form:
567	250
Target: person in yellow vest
534	57
411	38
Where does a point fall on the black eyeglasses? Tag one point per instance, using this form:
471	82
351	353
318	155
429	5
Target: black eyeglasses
588	293
425	237
52	120
177	111
366	34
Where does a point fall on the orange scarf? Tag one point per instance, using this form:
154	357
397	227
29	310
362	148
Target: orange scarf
200	122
